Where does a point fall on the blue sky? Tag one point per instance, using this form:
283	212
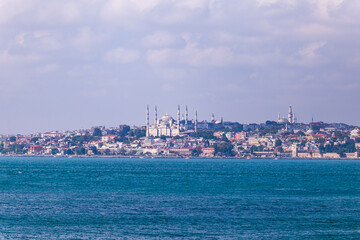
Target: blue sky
76	64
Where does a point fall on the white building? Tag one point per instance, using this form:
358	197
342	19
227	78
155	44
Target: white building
166	125
290	119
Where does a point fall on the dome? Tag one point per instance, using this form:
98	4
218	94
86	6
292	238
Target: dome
166	120
283	120
354	132
309	132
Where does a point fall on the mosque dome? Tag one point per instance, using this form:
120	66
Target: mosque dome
309	132
166	120
355	132
283	120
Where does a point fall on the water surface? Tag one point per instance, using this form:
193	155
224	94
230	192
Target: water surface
87	198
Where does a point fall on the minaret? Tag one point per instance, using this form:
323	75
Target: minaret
147	121
186	118
178	118
278	116
196	121
155	123
290	115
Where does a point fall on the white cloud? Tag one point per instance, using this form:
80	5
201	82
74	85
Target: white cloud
214	56
122	55
38	41
310	50
86	38
159	56
18	60
325	7
192	55
159	39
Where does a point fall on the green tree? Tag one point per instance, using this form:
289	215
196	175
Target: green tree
224	149
196	151
80	151
69	152
34	139
97	132
94	150
54	151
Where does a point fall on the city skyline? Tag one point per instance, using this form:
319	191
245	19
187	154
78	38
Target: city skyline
76	64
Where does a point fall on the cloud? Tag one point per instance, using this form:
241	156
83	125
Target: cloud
325	7
18	60
85	38
159	39
310	50
37	41
191	55
122	55
212	45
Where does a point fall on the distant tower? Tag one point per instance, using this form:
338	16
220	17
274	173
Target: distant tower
212	118
222	120
178	117
290	115
278	116
196	121
186	118
147	121
155	121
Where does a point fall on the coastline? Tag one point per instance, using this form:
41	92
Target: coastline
171	157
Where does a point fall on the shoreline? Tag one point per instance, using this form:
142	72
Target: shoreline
170	157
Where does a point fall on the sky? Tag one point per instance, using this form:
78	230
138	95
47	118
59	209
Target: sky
71	64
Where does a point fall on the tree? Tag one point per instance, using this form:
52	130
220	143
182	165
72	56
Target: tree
94	150
315	127
139	133
196	151
54	151
278	143
206	134
225	149
69	152
34	139
271	123
12	139
124	131
80	151
97	132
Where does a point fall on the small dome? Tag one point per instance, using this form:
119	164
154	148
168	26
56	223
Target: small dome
283	120
354	132
309	132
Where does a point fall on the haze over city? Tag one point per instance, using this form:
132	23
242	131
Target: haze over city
77	64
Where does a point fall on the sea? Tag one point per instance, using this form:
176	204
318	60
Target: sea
133	198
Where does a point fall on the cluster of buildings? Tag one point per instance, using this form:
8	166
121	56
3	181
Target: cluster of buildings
183	137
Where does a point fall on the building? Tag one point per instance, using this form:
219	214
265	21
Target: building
290	118
166	125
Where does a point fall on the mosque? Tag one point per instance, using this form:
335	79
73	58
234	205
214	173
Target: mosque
166	125
290	119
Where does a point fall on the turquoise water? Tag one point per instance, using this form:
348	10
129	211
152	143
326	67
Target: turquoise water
58	198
